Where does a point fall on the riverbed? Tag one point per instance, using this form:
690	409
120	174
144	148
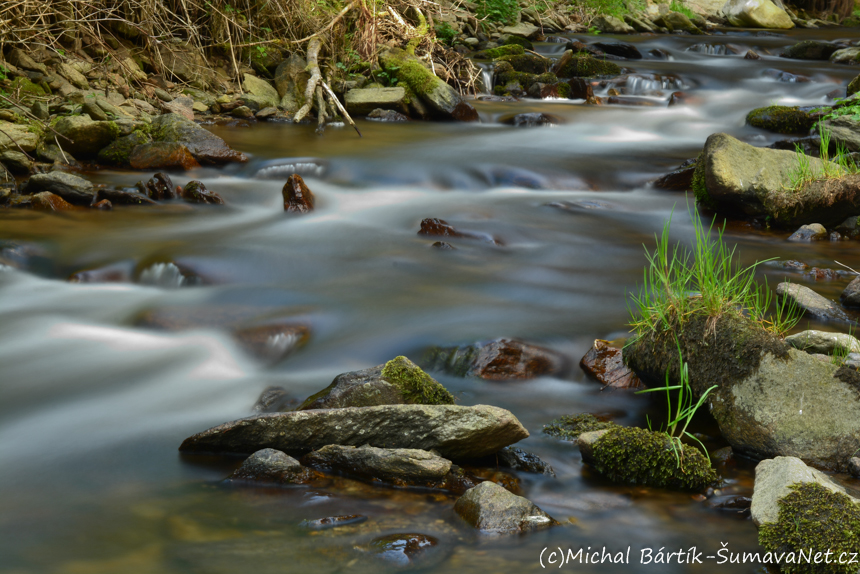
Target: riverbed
95	396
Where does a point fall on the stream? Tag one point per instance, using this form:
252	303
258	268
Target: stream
95	399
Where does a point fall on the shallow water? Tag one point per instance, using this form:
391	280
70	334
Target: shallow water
94	403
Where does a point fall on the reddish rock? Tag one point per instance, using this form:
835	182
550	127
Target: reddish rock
47	201
435	227
818	274
751	55
581	89
159	187
297	197
162	155
196	192
499	360
604	362
465	112
104	204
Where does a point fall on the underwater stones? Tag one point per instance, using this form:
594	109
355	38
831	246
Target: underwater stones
435	227
491	509
297	197
334	521
399	465
531	119
455	432
397	382
605	363
811	302
195	192
756	14
823	342
362	101
781	119
270	465
161	155
639	456
499	360
272	342
70	187
810	232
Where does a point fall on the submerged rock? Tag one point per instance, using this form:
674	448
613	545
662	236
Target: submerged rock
398	465
405	550
811	302
569	427
297	197
454	432
756	14
605	363
433	226
73	189
391	116
782	119
810	50
499	360
272	342
400	381
334	521
270	465
492	509
639	456
516	459
531	119
824	342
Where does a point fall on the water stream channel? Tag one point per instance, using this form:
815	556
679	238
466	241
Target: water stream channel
94	400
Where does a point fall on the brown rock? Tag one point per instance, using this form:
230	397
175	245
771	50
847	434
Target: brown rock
104	205
196	192
159	187
499	360
297	197
604	363
436	227
751	55
680	179
162	155
465	112
581	89
47	201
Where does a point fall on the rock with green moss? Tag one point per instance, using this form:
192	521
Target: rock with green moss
569	427
529	63
853	87
798	508
639	456
17	137
400	381
506	50
585	65
782	119
850	56
770	398
117	152
85	136
511	40
26	87
205	147
443	101
810	50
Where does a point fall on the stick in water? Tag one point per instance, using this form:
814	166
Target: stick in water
340	107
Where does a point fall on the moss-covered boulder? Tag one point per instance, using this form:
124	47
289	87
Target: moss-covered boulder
639	456
85	136
505	50
529	63
782	119
399	381
15	136
117	152
585	65
853	87
205	147
810	50
770	400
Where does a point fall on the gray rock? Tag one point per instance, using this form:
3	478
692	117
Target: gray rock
810	50
823	342
266	113
845	130
19	58
492	509
586	441
380	115
851	295
361	102
852	361
811	232
206	147
387	464
518	459
677	21
94	111
40	110
185	62
523	29
76	78
813	303
772	480
270	465
16	162
455	432
854	467
87	137
846	56
72	188
262	89
756	14
291	79
612	25
242	112
15	136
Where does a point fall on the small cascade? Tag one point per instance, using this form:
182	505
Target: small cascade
166	275
486	81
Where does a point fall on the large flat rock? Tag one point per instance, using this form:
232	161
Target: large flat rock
455	432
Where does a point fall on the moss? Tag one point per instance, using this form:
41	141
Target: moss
117	152
563	90
781	119
700	189
518	41
26	87
639	456
422	30
416	385
524	79
508	50
569	427
527	63
586	65
411	74
814	518
849	376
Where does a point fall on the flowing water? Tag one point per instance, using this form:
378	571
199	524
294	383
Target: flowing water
94	399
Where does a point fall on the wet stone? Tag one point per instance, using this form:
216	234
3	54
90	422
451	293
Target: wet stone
275	399
530	120
122	197
397	465
751	55
851	295
503	359
270	465
621	49
162	155
196	192
104	205
490	508
680	179
605	363
403	550
47	201
272	342
442	246
433	226
854	467
71	188
381	115
811	232
334	521
159	187
517	459
813	303
297	197
16	162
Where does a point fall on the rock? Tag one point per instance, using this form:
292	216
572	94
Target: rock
570	427
611	25
121	197
53	154
74	77
751	55
763	385
87	137
676	21
162	155
19	58
442	246
70	187
811	232
16	162
433	226
443	100
854	467
47	201
853	87
586	65
297	197
531	119
334	521
498	360
291	79
266	113
262	89
680	179
94	111
163	95
405	550
823	342
454	432
734	176
518	459
199	107
851	295
810	50
638	456
786	77
13	136
196	192
528	63
381	115
498	52
756	14
272	342
849	56
400	381
361	102
270	465
118	152
206	147
398	465
845	130
242	112
274	399
492	509
811	302
103	205
782	119
523	30
621	49
581	89
181	106
604	363
40	110
185	62
159	187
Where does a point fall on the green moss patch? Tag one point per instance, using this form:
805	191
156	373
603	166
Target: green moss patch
639	456
26	87
781	119
700	190
529	63
508	50
518	41
586	65
814	519
417	386
569	427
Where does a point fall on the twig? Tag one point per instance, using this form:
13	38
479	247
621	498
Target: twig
313	54
846	267
340	107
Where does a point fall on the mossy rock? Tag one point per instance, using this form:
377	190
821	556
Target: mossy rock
518	41
118	151
529	63
853	87
781	119
417	386
508	50
586	65
26	87
700	190
639	456
569	427
814	518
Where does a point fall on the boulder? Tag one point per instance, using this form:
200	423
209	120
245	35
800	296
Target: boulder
853	87
620	49
586	65
297	197
531	120
16	162
523	30
811	232
851	295
612	25
639	456
262	89
849	56
823	342
206	147
606	364
681	179
810	50
854	467
400	381
398	465
186	63
455	432
13	136
196	192
528	63
87	137
361	102
756	14
499	360
814	304
47	201
291	79
70	187
782	119
272	466
845	130
161	155
74	77
20	59
490	508
118	151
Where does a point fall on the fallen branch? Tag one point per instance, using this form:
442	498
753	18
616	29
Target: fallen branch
330	24
340	107
316	76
